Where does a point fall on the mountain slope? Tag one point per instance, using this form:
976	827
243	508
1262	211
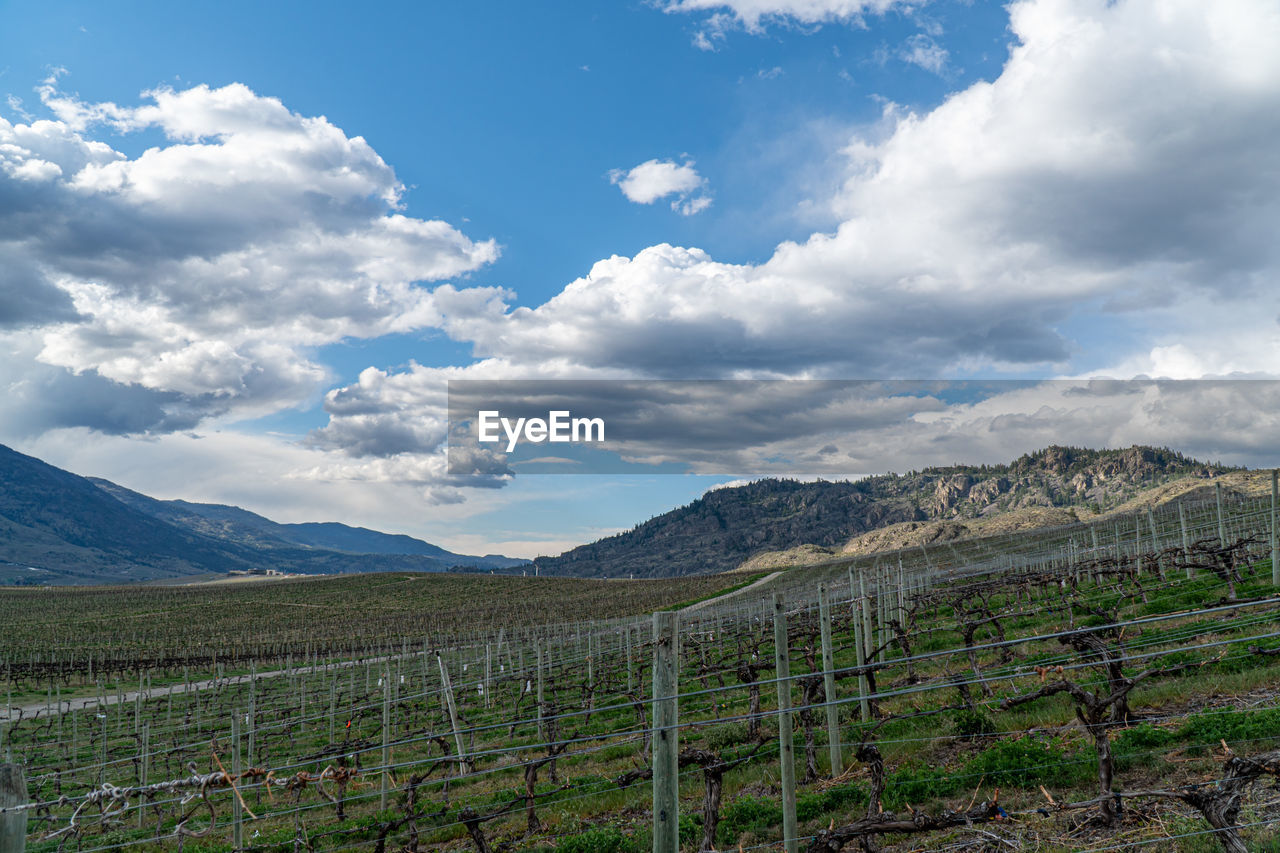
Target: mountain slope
60	528
913	534
727	526
56	527
361	540
240	526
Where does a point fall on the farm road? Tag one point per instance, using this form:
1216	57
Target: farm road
728	595
38	709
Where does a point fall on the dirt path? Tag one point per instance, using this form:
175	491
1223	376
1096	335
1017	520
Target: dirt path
80	703
728	595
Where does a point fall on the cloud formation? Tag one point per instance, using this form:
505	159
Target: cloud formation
655	179
922	50
1121	170
753	15
1122	161
1120	174
842	428
203	271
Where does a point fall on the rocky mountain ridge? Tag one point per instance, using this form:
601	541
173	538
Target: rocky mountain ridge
728	526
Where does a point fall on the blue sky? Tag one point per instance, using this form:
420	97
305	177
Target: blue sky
243	246
508	116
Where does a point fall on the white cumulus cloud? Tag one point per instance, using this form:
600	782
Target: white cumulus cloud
1120	173
655	179
1123	160
207	269
1110	200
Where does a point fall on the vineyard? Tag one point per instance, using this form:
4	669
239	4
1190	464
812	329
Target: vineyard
1098	687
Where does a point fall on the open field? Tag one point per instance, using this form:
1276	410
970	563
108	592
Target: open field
1052	691
68	632
224	639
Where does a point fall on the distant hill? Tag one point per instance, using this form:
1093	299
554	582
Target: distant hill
727	526
240	526
60	528
56	527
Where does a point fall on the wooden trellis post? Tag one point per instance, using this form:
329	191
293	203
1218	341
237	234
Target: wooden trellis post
666	734
786	742
867	633
859	644
447	683
13	825
1275	538
102	768
488	675
1137	543
630	674
541	732
144	766
252	720
1186	542
237	815
333	697
1093	533
829	682
1222	527
882	613
386	737
901	613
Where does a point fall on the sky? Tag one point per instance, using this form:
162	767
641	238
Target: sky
244	247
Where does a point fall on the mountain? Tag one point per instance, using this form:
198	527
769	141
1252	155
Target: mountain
240	526
727	526
60	528
56	527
